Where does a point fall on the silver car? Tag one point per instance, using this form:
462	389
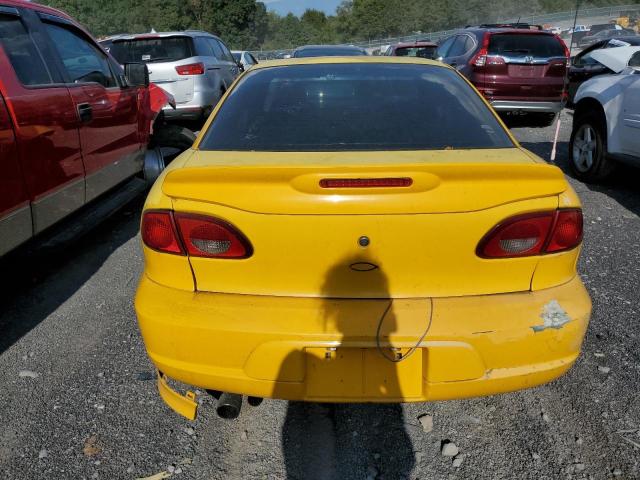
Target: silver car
244	58
195	67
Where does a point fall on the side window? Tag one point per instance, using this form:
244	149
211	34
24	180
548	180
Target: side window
443	50
82	60
203	47
469	44
226	53
22	52
585	60
217	49
458	46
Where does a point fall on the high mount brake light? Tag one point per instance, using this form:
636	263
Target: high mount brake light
533	234
195	235
191	69
365	182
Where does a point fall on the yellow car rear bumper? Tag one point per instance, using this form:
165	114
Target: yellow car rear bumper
326	350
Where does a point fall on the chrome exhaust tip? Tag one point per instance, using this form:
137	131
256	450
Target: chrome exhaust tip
229	405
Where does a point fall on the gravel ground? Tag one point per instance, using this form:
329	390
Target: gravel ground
78	399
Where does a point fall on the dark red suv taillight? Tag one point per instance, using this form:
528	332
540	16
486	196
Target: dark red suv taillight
193	235
533	234
480	58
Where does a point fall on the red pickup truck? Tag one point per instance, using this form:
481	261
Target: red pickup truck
74	123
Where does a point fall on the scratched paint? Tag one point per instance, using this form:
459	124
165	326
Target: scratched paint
553	316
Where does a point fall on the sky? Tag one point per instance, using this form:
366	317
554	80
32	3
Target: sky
298	7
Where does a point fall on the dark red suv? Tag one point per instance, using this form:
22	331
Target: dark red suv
519	69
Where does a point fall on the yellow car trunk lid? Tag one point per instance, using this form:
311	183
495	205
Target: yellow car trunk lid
421	239
289	183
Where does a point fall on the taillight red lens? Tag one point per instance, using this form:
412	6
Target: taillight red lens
365	182
495	60
567	232
533	234
480	58
159	233
191	69
518	236
567	51
211	237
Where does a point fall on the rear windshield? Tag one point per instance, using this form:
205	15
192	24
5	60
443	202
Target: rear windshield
513	45
603	26
422	52
328	52
169	49
334	107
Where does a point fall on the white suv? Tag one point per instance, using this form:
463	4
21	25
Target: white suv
195	67
606	121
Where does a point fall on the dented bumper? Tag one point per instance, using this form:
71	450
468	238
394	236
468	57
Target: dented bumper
315	349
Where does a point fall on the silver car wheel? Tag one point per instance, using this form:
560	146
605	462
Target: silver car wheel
584	148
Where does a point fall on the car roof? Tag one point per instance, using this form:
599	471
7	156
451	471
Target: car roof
36	6
632	39
517	31
184	33
415	44
343	60
333	47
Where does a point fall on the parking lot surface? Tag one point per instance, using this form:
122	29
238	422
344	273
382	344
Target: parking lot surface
79	398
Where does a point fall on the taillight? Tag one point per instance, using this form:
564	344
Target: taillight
365	182
211	237
159	232
567	52
480	58
567	231
533	234
191	69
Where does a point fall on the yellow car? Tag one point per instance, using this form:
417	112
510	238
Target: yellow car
359	230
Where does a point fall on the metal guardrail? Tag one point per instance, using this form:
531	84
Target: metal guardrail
584	15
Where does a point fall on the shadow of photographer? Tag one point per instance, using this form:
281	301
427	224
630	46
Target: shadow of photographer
348	440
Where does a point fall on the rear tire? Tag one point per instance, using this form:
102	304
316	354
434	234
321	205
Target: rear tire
172	140
588	149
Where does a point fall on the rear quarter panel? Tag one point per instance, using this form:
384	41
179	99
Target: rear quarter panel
608	92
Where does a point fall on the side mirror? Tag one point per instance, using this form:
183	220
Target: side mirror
137	74
240	66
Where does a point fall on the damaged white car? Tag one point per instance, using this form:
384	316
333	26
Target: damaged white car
606	122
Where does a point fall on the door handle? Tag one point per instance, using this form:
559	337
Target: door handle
85	112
